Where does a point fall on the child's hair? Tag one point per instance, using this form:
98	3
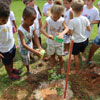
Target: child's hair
10	1
7	1
58	2
5	10
69	0
77	5
27	1
28	11
57	9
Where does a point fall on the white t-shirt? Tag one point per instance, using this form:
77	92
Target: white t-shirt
27	36
98	3
53	28
6	37
67	15
92	14
46	7
12	17
78	26
36	22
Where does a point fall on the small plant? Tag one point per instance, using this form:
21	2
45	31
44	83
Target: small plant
54	77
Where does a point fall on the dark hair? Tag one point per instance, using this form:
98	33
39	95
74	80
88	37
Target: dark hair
7	1
69	0
4	10
27	1
28	11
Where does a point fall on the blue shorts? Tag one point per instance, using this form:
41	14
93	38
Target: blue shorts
97	41
8	56
79	47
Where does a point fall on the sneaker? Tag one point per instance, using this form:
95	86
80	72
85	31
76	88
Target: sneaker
65	53
15	77
28	73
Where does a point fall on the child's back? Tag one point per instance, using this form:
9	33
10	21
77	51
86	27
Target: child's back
79	26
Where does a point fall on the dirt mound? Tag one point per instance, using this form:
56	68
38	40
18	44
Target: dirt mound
86	83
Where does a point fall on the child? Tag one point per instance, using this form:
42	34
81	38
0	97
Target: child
26	32
67	15
47	7
98	5
77	27
92	13
85	1
26	2
37	21
94	47
55	24
7	46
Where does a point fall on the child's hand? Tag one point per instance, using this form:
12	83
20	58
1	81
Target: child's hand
57	33
60	36
37	52
50	37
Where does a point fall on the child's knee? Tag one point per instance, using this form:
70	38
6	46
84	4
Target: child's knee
60	58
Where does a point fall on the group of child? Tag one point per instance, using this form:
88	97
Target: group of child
68	20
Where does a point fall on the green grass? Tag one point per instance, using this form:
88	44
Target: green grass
7	86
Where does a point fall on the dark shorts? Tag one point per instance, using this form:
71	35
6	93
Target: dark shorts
8	56
79	47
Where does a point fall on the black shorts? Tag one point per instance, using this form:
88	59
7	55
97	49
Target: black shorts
79	47
8	56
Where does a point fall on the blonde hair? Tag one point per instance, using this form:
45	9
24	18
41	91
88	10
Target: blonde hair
77	5
57	9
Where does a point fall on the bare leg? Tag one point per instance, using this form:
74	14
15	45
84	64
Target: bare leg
82	56
52	60
9	70
66	47
12	65
93	48
27	66
61	64
76	64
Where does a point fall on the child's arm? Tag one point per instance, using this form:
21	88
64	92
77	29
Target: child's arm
94	22
88	28
64	32
14	22
25	45
44	32
40	23
71	14
36	39
70	32
1	56
39	10
45	14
